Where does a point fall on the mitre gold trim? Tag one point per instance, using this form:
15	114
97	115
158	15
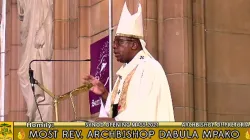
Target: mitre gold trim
128	35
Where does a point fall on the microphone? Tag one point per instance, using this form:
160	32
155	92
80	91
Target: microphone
33	80
31	72
58	60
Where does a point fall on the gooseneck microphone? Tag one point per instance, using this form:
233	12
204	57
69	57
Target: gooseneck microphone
33	81
59	60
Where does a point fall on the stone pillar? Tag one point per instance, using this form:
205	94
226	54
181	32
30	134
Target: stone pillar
176	55
84	40
15	107
150	25
66	75
200	98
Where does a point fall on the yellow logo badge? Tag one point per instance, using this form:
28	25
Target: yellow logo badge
21	135
248	134
6	132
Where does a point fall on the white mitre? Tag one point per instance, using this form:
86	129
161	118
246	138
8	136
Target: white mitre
132	26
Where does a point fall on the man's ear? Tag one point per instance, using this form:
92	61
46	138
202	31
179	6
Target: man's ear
134	46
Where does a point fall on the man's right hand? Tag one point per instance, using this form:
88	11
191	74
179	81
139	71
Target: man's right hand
98	88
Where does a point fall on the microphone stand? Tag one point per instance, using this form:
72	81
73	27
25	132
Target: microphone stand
56	99
33	81
59	98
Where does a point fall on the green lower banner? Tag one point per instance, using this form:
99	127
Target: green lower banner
124	130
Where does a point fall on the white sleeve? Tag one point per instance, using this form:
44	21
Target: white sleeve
105	110
103	113
165	111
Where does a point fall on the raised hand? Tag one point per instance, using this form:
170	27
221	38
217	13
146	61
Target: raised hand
98	87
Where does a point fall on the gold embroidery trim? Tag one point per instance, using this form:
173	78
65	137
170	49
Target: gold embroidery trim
115	89
123	97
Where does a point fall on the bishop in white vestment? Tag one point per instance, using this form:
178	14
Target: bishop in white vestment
141	91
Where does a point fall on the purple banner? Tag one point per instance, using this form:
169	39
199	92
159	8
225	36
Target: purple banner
99	69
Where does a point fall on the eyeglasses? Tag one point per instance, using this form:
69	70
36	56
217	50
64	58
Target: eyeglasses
122	41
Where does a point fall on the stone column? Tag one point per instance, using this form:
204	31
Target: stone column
67	74
200	98
15	106
176	55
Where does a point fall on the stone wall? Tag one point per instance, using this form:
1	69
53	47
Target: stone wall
201	44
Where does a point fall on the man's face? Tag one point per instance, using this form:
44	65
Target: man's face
122	48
